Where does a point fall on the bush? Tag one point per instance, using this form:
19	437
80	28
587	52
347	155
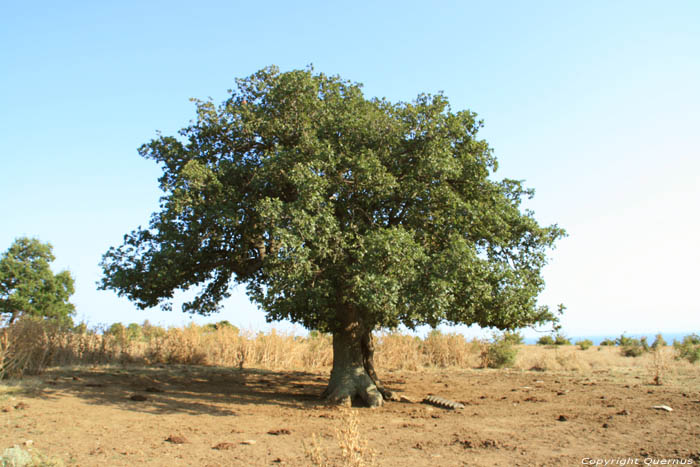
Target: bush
607	342
561	339
211	327
632	350
501	353
688	349
644	343
557	339
545	340
632	347
658	342
584	344
692	339
624	341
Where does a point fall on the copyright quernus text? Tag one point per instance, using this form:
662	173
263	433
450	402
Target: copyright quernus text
620	461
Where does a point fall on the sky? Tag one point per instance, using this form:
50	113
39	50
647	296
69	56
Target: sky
594	104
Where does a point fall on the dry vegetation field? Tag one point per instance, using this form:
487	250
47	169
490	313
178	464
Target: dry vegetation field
217	397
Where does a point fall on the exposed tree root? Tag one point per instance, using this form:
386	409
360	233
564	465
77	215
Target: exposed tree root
353	383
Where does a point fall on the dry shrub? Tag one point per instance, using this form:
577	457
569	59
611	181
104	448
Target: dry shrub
181	346
27	347
447	350
398	351
659	366
31	345
403	352
318	352
354	449
226	346
314	453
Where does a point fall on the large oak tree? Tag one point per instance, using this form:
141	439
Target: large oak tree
338	212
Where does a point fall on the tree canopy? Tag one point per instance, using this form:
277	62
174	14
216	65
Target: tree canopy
337	212
28	287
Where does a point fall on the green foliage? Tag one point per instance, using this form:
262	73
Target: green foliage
118	332
501	352
607	342
692	339
513	337
659	341
545	340
28	287
332	207
557	339
585	344
150	331
221	325
134	332
561	339
116	329
632	350
631	347
688	348
623	341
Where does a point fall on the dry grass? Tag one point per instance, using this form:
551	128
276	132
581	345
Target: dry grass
29	346
354	449
437	350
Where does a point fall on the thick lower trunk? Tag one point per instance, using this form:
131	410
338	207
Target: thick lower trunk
353	375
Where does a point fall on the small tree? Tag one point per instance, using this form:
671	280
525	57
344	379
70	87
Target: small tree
28	287
501	352
584	344
341	213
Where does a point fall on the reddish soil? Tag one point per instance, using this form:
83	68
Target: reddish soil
199	416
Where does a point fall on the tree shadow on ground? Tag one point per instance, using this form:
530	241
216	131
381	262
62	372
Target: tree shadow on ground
169	389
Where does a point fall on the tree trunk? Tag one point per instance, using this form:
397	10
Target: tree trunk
13	316
368	363
353	373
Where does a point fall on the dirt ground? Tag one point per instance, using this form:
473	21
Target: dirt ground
204	416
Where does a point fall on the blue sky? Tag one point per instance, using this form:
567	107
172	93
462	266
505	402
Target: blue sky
594	104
